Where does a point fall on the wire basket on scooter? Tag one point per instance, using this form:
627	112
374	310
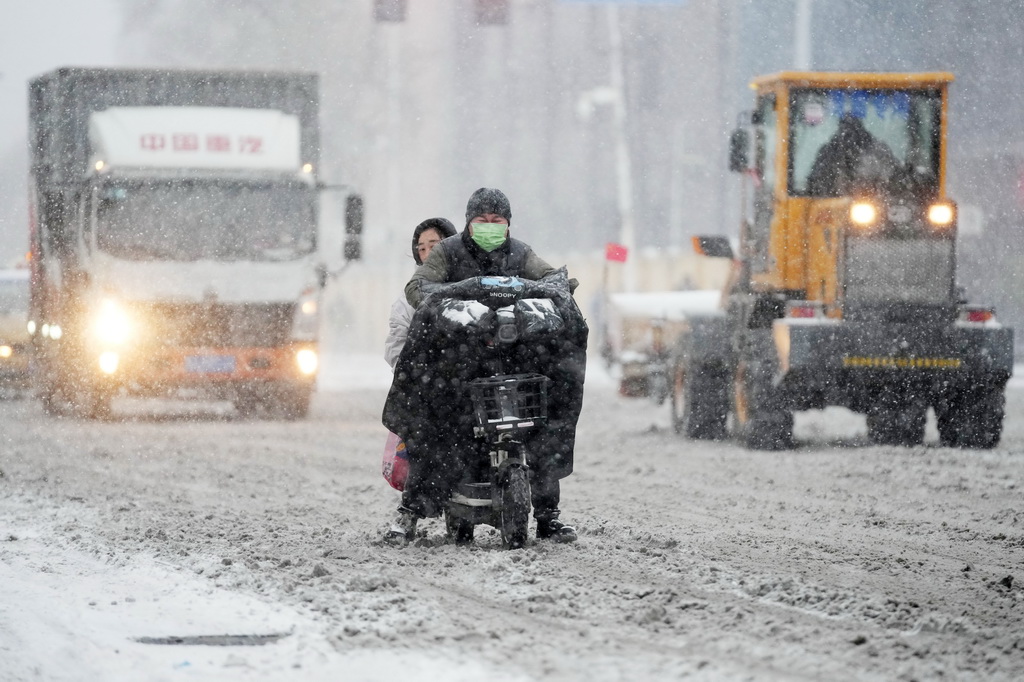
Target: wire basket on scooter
511	401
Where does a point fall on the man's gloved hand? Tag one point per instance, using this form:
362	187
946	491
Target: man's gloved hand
498	292
465	289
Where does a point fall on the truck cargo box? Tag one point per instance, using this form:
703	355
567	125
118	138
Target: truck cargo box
61	101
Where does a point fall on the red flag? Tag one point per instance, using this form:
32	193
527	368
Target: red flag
615	252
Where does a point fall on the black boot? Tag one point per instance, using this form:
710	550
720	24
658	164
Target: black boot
550	528
402	530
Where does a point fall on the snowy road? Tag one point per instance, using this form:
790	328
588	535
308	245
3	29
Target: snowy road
836	561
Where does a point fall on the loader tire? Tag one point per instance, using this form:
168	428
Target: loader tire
973	419
700	402
762	421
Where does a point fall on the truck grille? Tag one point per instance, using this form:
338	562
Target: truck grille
220	325
899	271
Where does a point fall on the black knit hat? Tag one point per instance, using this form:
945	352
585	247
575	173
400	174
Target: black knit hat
487	200
443	226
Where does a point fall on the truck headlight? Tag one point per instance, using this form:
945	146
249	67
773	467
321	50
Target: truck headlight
305	324
863	213
112	324
941	214
307	361
109	361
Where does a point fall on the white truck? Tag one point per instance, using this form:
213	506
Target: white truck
180	237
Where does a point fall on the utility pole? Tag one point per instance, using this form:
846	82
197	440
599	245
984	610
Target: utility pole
802	35
623	164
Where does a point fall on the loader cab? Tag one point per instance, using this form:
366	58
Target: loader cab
847	206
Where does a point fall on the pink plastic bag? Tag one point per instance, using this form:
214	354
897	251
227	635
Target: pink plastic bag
395	466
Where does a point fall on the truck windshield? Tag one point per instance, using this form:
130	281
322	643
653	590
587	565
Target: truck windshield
188	220
846	140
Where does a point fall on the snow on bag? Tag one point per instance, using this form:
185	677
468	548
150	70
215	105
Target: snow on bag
395	466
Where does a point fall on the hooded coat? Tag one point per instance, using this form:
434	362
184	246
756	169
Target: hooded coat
429	404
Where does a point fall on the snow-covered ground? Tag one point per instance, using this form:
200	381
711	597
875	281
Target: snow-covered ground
260	542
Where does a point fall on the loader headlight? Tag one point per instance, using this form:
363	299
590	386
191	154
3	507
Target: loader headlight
863	213
941	214
112	323
307	361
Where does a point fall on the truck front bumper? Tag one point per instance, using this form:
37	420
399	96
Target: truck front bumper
213	371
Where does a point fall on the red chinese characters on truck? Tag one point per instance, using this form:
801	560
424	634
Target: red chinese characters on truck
190	142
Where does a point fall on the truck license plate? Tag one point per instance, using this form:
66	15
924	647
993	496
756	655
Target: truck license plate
210	364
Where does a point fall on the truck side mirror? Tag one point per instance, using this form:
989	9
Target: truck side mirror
353	249
739	143
713	246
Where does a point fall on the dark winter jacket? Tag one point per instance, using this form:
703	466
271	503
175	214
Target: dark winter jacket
429	404
458	258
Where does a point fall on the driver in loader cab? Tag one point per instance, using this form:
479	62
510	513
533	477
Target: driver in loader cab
851	156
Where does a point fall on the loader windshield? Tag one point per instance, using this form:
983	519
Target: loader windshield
189	220
843	141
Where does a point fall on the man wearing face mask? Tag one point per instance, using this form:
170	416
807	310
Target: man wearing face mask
484	247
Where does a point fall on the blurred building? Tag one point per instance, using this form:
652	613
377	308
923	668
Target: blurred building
421	112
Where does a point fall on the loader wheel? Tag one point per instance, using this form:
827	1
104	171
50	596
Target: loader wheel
973	419
761	422
700	403
897	423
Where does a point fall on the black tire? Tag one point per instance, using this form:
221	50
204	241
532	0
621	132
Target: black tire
973	419
275	403
248	404
700	403
95	404
293	404
52	397
89	401
515	508
460	530
762	422
897	423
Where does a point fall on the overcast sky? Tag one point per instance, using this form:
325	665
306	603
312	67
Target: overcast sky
37	36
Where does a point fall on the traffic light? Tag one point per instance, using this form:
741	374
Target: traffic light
389	10
491	12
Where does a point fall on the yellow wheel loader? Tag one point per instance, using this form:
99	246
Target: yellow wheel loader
844	289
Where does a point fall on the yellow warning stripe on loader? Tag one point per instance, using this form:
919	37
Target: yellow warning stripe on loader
902	363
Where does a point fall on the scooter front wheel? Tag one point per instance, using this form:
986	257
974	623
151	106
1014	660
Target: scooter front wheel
515	508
